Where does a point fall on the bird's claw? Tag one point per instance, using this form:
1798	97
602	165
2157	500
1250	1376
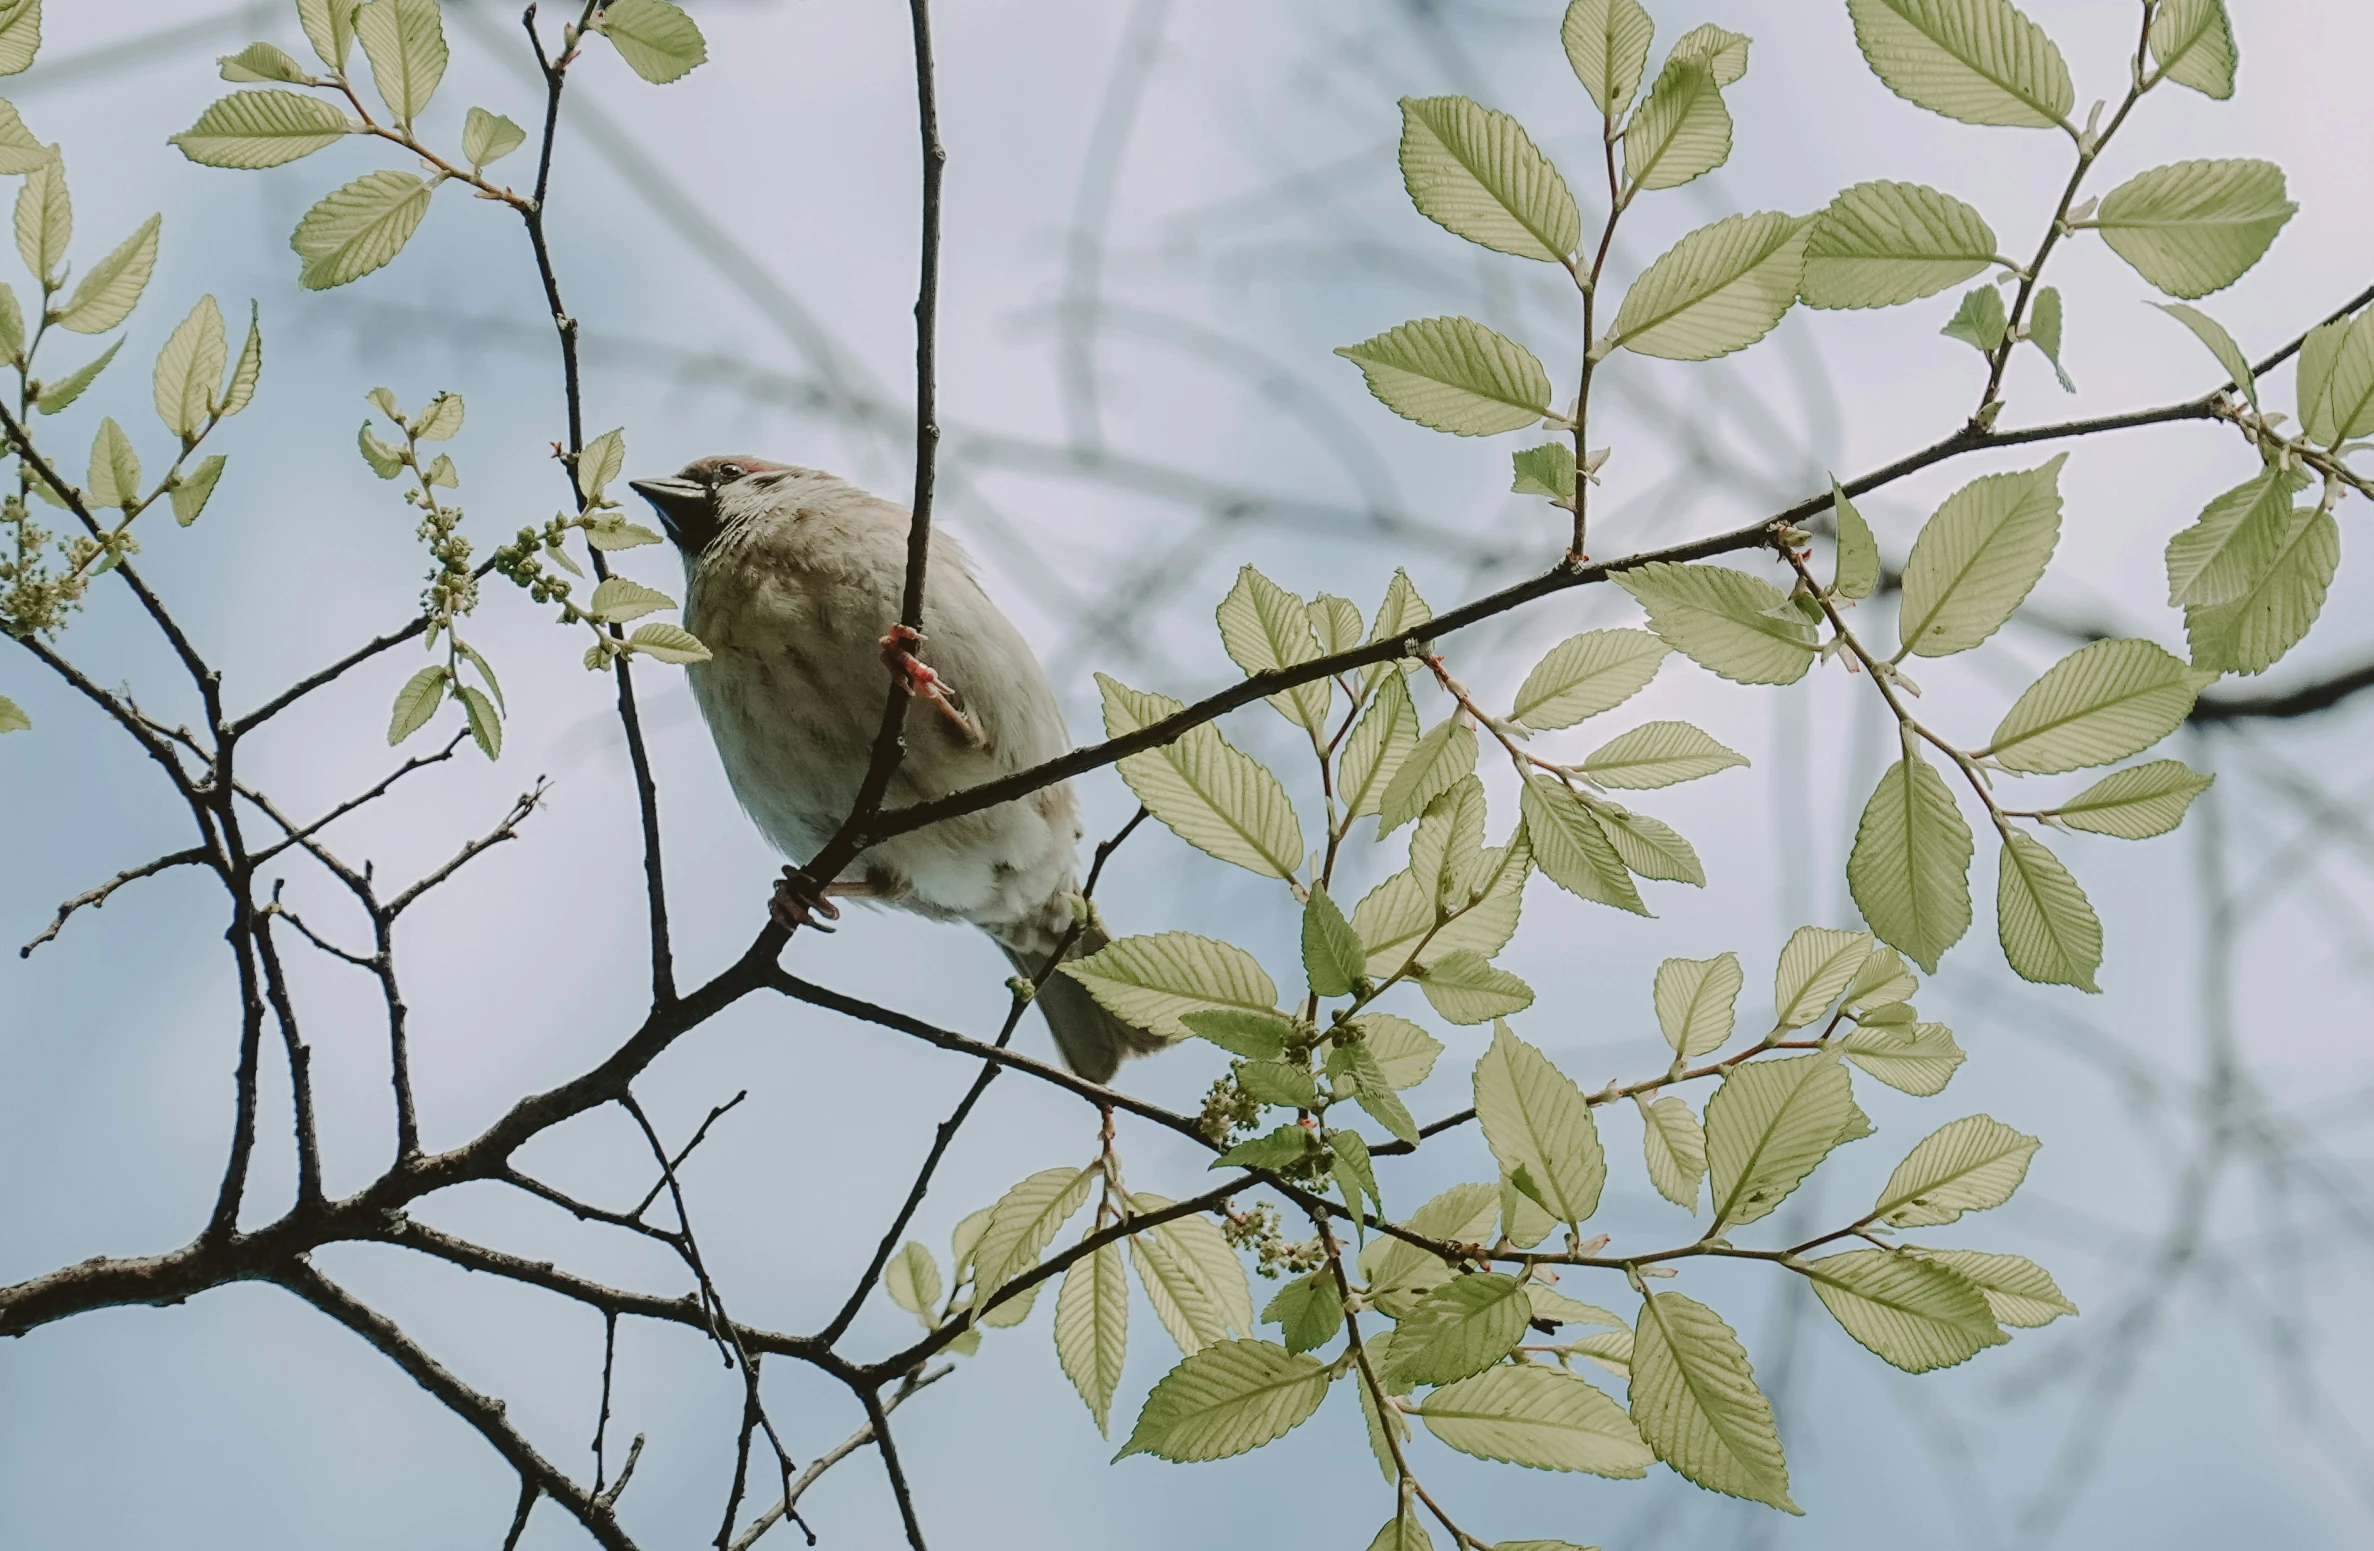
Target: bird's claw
798	902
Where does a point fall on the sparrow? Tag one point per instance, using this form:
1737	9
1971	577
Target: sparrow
793	580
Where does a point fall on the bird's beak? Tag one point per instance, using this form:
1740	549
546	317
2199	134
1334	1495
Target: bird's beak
683	506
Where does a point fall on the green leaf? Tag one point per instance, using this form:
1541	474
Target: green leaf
1398	1273
1536	1119
1462	1327
2044	332
1882	244
1266	628
2050	932
115	468
1695	1002
1405	1531
1545	470
1681	131
1378	1101
489	137
621	535
1858	551
667	643
1401	613
1228	1398
1814	968
1883	981
1980	322
618	599
261	62
2097	705
1573	847
416	702
405	42
1723	52
1384	737
1151	981
13	717
1916	1314
2233	541
1767	1127
1477	174
1404	1052
1536	1416
2251	632
1215	797
1650	847
1734	625
1909	870
655	38
1524	1221
1979	61
2221	344
12	328
1719	289
1977	558
1336	622
1092	1328
440	420
111	288
2192	42
1331	952
1659	754
357	228
1586	674
1257	1036
486	725
1191	1277
1463	989
1918	1058
2018	1291
329	27
190	369
1695	1400
2337	380
1968	1165
385	461
44	219
1449	867
1607	43
241	389
2137	803
1455	375
599	462
1435	764
1275	1082
2195	227
194	489
55	396
1023	1223
1558	1309
1674	1147
912	1278
261	129
20	35
1308	1311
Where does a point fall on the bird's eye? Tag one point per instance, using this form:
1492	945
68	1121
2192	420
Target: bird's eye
727	473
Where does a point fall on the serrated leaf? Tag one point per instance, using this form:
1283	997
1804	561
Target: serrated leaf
261	129
1023	1223
1308	1311
1919	1059
1586	674
20	35
1463	988
912	1278
2044	332
1355	1172
1767	1126
1275	1082
1460	1328
1541	1417
1092	1328
2018	1291
1536	1119
599	462
1220	800
1331	952
2196	227
21	150
1858	551
2192	43
658	41
1336	622
1257	1036
2097	705
2232	541
2337	380
1695	1400
668	643
1226	1399
1724	52
1814	967
1980	321
405	42
241	389
56	396
2049	930
1659	754
1650	847
1916	1314
385	461
416	702
1437	762
1558	1309
189	370
261	62
1674	1147
359	227
111	288
1399	1272
2221	345
1524	1221
194	489
12	327
618	599
1719	289
1455	375
13	717
489	137
2252	631
329	27
486	724
1979	61
1681	131
1404	1052
1607	43
1967	1165
440	420
44	218
2137	803
1405	1531
622	535
1909	870
115	468
1573	848
1978	557
1266	628
1884	243
1192	1278
1149	982
1695	1002
1387	1427
1544	470
1734	625
1383	738
1883	981
1477	174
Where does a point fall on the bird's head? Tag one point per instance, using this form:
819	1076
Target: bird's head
699	500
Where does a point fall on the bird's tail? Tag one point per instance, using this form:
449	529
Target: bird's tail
1091	1040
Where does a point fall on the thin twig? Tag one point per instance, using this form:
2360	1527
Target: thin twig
95	898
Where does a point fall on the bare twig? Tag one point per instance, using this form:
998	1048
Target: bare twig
95	898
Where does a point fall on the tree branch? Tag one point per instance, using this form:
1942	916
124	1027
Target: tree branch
95	898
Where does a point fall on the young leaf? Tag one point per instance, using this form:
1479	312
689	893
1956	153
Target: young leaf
55	396
1918	1058
440	420
1455	375
1405	1053
1191	1277
2221	344
1401	613
1213	796
1858	551
655	38
1385	736
1152	981
2044	332
1916	1314
261	129
1572	847
1398	1272
1336	622
2049	930
2095	706
1659	754
2196	227
357	228
1463	989
1977	558
1883	981
416	702
1266	628
2137	803
1719	289
1814	968
1767	1126
668	643
190	369
1980	322
1023	1223
1979	61
1477	174
2252	631
329	27
1607	43
489	137
618	599
486	724
1695	1000
1910	867
2192	41
1226	1399
1092	1328
2232	541
261	62
1541	1417
405	42
599	462
1882	244
2018	1290
13	717
1674	1147
1725	53
115	468
195	488
1536	1119
1544	470
44	219
1586	674
1650	847
1556	1308
1681	131
1734	625
1462	1327
1967	1165
111	288
1331	952
241	389
1405	1531
2337	380
1695	1399
913	1281
1308	1311
20	35
1439	761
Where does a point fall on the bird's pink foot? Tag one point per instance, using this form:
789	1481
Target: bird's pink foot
799	902
898	653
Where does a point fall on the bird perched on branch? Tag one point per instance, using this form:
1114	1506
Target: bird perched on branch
794	581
